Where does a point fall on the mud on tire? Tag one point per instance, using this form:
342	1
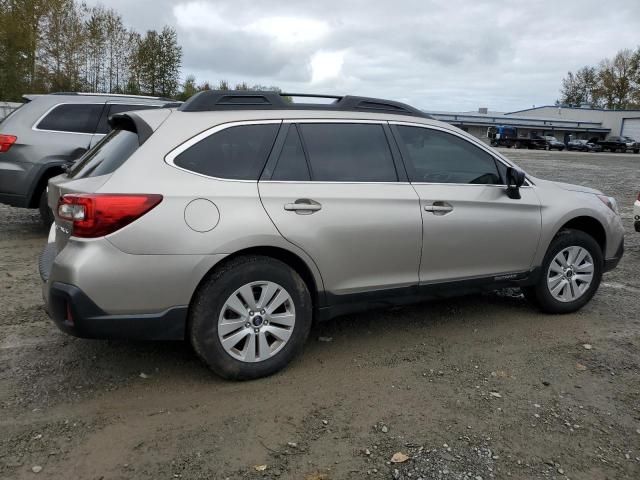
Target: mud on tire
212	296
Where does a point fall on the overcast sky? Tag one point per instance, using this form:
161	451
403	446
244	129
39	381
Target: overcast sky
437	55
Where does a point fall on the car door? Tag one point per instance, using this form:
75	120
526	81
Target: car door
334	191
471	228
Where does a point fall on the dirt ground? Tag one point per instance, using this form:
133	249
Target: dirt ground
477	387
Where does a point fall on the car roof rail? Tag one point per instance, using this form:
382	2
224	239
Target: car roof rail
220	100
122	95
172	105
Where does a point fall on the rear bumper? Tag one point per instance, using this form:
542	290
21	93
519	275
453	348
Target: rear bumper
76	314
14	200
16	181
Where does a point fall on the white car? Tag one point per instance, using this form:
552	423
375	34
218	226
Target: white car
636	213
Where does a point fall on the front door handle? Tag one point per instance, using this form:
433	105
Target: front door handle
439	208
303	206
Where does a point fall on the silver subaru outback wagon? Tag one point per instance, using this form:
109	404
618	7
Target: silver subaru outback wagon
239	219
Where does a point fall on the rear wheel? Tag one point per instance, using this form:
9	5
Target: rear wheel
250	318
571	273
46	215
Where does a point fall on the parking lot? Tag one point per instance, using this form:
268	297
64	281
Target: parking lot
477	387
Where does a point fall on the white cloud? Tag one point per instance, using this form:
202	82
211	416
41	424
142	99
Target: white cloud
200	15
454	55
326	66
289	30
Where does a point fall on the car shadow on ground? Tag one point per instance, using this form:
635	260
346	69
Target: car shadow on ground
68	368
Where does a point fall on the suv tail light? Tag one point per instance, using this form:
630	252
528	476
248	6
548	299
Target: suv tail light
99	214
6	142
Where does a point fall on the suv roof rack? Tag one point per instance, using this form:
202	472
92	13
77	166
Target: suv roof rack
124	95
216	100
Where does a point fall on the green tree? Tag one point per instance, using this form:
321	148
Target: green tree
614	83
189	88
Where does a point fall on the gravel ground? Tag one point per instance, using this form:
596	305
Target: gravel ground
476	387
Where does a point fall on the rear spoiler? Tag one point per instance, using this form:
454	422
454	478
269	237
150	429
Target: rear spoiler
30	96
133	123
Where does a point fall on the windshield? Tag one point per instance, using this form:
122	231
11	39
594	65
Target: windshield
107	156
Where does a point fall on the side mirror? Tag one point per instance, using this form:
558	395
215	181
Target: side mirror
515	179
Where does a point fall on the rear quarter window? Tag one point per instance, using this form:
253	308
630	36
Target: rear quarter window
107	155
74	118
237	153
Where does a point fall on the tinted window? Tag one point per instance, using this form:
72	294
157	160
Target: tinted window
236	152
439	157
107	155
292	164
79	118
348	152
103	126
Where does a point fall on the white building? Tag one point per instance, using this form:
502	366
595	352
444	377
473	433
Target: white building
562	122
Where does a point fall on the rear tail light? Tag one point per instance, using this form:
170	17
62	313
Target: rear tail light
639	196
99	214
6	142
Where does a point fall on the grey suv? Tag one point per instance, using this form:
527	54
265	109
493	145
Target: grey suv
238	219
42	137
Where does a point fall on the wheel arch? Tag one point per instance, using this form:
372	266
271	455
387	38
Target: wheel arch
291	259
589	225
47	172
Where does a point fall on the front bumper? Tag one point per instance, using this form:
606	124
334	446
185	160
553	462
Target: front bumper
611	263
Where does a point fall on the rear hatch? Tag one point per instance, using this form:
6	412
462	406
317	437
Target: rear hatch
94	168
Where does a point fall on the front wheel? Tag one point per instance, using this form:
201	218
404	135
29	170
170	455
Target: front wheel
571	273
250	318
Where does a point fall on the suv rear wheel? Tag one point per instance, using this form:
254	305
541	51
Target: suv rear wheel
250	318
571	273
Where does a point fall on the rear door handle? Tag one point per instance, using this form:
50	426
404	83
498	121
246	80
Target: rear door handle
439	208
303	206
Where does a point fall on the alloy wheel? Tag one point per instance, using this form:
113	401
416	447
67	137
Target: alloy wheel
256	321
570	274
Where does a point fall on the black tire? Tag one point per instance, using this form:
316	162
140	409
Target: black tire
539	294
46	215
636	151
211	297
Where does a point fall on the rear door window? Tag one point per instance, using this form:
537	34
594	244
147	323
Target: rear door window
75	118
237	153
348	152
107	156
103	125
